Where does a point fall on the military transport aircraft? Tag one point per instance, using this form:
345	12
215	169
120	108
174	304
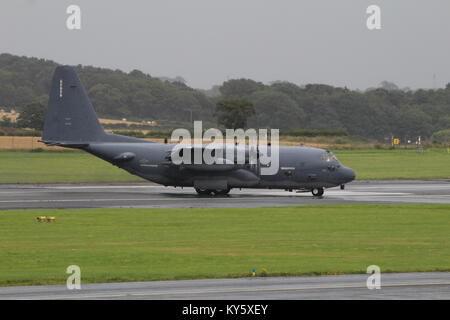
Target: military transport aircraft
72	122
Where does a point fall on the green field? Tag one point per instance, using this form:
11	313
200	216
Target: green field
58	167
397	164
65	167
150	244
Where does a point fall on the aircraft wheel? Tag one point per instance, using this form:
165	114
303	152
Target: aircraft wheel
317	192
203	192
222	192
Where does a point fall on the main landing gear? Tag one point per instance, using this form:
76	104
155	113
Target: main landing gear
207	192
317	192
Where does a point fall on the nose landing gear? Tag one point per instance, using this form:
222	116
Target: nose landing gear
317	192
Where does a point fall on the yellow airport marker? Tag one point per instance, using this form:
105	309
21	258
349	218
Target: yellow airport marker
41	219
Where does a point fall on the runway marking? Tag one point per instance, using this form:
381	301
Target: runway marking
99	187
169	293
286	289
405	186
112	200
150	195
365	193
46	187
158	199
283	194
86	200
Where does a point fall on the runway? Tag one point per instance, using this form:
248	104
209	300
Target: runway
148	195
430	285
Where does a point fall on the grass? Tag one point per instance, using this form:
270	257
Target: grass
397	164
58	167
77	167
153	244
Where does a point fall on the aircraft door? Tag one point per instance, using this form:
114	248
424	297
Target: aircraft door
254	167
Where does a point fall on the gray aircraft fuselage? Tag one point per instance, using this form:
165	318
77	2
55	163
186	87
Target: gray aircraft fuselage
71	122
299	167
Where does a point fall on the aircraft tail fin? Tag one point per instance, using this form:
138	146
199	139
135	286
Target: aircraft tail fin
71	119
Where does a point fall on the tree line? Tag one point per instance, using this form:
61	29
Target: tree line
375	113
114	93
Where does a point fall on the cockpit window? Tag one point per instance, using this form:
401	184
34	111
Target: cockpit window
328	157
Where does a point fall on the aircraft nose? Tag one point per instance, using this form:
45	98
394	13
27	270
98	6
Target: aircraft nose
348	175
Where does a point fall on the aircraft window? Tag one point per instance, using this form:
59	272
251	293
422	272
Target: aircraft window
328	157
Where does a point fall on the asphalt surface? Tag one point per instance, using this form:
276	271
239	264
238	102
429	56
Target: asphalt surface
430	285
148	195
394	286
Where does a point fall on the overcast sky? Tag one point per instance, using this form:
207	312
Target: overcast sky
210	41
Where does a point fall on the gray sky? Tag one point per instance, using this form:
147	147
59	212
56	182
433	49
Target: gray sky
210	41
